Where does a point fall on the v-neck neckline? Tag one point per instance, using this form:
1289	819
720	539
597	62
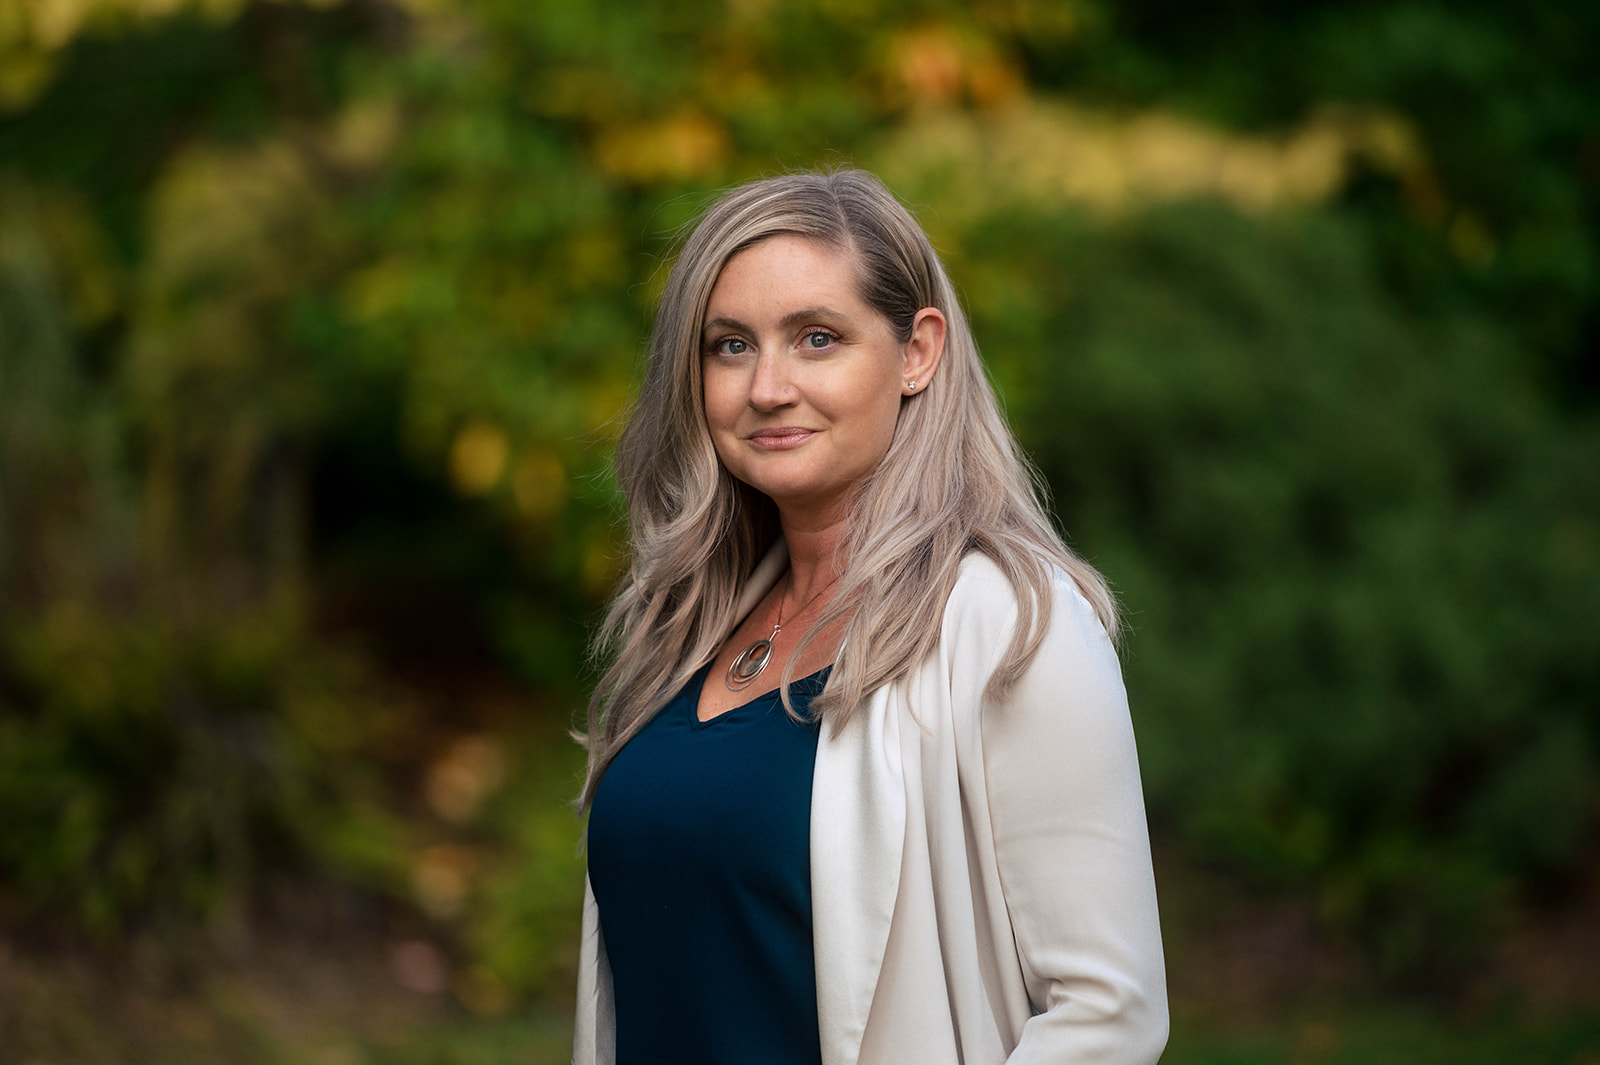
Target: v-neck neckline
698	683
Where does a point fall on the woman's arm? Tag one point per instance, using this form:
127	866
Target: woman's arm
1073	852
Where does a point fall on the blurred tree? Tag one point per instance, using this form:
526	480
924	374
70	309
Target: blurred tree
1348	537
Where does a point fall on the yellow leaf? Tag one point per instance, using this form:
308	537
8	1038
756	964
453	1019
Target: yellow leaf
539	485
478	458
682	145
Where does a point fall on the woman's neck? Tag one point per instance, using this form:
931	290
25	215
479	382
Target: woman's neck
812	543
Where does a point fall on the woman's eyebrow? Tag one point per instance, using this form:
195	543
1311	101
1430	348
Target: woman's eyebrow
814	314
714	324
788	321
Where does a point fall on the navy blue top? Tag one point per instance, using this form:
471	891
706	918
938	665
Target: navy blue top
700	860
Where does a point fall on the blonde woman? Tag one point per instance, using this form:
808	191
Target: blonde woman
862	782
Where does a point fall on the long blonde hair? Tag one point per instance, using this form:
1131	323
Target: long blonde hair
953	482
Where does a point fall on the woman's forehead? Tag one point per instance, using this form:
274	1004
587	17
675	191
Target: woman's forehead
786	269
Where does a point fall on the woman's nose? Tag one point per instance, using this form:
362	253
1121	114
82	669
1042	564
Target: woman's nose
770	383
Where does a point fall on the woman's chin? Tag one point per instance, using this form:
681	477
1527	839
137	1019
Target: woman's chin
798	496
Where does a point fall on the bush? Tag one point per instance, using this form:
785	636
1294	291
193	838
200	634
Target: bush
1355	544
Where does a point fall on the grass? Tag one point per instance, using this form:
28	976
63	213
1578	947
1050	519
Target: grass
53	1023
1392	1037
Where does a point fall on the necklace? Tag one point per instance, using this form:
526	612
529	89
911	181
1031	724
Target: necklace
745	668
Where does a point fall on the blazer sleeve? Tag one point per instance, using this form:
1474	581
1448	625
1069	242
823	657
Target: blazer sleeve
594	1029
1073	851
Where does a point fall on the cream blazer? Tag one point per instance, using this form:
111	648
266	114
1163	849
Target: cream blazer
980	871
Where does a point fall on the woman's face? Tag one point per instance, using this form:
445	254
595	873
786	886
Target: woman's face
803	380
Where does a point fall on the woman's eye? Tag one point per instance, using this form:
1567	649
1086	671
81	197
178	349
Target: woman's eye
731	346
818	340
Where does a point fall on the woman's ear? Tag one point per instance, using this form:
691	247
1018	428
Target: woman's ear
923	351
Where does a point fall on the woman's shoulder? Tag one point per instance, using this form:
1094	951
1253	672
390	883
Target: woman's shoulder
983	588
979	632
1068	665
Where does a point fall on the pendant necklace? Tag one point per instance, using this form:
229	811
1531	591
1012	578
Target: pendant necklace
744	669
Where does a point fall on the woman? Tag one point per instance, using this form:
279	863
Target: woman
930	849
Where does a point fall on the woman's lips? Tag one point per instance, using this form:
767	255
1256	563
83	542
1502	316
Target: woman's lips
781	439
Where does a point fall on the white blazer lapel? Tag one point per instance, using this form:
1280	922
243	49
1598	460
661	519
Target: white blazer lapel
858	821
858	825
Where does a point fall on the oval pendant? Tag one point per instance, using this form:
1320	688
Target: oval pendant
743	670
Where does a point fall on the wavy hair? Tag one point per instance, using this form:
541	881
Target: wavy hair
953	482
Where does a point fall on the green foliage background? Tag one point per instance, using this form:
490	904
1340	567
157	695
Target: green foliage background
317	320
